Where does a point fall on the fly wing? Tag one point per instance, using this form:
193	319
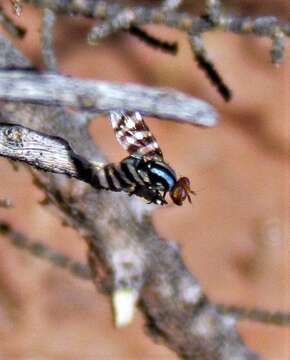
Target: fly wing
134	135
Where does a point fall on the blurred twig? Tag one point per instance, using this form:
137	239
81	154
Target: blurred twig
17	6
42	251
9	25
280	318
83	271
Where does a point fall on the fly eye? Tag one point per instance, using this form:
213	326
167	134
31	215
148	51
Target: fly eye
181	191
178	194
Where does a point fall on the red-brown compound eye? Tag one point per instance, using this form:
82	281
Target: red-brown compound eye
178	195
181	191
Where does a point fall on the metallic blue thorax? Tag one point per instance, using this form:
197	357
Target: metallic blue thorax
161	174
157	174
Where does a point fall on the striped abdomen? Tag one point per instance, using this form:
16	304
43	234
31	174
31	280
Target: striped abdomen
117	177
122	176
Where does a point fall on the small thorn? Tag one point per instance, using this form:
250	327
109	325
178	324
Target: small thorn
124	303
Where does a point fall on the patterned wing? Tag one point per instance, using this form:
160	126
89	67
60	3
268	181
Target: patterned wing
134	135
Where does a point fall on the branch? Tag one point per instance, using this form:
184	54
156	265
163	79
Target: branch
116	18
83	272
207	66
43	152
48	21
119	17
125	249
103	96
42	251
255	314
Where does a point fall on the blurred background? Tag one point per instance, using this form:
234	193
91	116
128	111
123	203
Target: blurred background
235	235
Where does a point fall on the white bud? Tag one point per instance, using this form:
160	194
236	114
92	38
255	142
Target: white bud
124	303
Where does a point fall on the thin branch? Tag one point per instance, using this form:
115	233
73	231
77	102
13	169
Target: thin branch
213	11
17	6
48	21
104	96
166	46
114	16
278	46
267	26
280	318
43	251
207	66
9	25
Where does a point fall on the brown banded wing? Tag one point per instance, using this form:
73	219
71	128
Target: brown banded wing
134	135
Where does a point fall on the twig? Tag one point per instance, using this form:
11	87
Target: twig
166	46
116	18
104	96
42	251
9	26
207	66
42	151
17	6
280	318
48	21
213	11
141	15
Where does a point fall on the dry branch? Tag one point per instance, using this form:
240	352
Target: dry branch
42	251
103	96
176	310
82	271
118	17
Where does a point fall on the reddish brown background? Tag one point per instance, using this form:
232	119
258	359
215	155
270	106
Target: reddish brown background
235	236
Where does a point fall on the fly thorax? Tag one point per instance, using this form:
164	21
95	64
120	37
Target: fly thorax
161	175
